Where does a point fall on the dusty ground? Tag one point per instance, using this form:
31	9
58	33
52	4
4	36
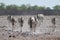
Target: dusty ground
9	35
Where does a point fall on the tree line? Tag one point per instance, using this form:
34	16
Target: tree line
26	7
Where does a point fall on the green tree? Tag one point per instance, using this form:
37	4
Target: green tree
35	7
2	6
41	8
12	7
57	7
48	8
23	7
29	7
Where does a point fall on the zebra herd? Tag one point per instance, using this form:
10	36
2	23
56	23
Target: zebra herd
32	21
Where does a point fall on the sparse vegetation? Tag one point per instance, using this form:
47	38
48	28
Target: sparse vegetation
26	7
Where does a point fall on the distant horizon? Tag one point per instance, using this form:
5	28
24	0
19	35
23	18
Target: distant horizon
44	3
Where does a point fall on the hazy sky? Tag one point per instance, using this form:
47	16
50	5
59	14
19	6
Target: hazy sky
47	3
